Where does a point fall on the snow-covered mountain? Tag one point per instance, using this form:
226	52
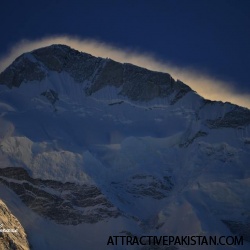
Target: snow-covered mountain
90	147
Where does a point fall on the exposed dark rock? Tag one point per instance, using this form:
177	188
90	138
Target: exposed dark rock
81	66
247	141
12	234
192	139
51	95
115	103
136	83
147	185
237	118
111	74
239	228
22	70
65	203
181	89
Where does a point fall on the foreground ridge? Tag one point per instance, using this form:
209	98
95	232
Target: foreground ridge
12	234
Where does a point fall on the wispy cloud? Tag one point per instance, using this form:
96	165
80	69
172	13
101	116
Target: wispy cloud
205	85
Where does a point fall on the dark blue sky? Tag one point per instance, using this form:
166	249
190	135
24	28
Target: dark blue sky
210	35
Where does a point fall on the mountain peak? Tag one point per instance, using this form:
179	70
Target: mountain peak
115	148
136	83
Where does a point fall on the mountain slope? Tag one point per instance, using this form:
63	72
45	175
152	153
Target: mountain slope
12	235
88	142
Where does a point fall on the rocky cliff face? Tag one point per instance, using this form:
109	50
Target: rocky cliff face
12	234
65	203
137	83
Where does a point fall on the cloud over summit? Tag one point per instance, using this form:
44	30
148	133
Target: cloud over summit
205	85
